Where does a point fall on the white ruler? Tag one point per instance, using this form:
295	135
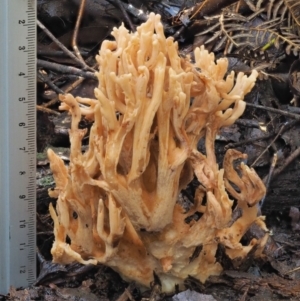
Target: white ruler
17	143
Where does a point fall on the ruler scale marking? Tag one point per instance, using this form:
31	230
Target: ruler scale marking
17	160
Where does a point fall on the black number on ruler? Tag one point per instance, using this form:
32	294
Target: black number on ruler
22	124
22	98
22	269
21	74
22	47
21	21
22	224
22	173
22	196
22	148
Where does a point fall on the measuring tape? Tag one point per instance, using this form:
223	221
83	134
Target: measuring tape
17	144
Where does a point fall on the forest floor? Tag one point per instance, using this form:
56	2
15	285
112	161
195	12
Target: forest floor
277	275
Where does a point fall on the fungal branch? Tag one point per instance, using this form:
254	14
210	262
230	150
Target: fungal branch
119	201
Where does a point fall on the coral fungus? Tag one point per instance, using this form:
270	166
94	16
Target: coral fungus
118	202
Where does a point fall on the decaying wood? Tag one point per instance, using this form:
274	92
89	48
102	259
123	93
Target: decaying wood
284	191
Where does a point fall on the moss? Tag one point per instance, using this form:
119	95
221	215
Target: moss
46	181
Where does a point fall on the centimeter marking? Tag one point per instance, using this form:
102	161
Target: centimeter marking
17	144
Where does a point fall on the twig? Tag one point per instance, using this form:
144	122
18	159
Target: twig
45	233
287	162
140	14
266	149
293	270
225	52
40	257
56	53
65	69
178	33
235	145
119	4
248	123
243	298
46	110
267	181
130	297
47	81
127	294
229	37
68	89
75	33
61	46
277	111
